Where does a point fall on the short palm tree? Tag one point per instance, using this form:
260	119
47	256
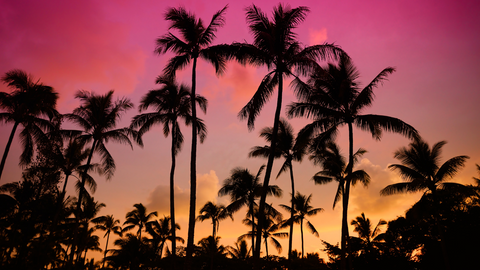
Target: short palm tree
333	98
216	213
27	105
195	42
161	232
138	217
244	188
289	147
335	169
422	172
301	210
275	46
109	225
171	103
370	239
240	251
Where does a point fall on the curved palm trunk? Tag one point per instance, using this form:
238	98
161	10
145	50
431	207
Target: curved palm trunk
268	171
7	148
106	249
79	204
193	173
266	247
301	232
172	192
290	239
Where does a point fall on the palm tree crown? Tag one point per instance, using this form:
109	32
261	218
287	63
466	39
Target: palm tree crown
138	217
27	105
109	225
301	210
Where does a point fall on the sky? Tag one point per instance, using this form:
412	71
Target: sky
103	45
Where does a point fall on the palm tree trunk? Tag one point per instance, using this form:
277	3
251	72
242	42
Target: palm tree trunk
290	239
214	229
193	173
301	232
268	171
79	204
172	191
266	247
253	226
106	249
7	148
440	231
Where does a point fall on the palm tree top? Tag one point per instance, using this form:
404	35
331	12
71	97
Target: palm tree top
195	40
420	168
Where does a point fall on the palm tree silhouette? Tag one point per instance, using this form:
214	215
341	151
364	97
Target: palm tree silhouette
216	213
291	149
138	217
98	115
161	231
171	103
333	98
421	171
109	225
196	41
244	188
275	47
335	169
300	211
26	105
240	251
370	240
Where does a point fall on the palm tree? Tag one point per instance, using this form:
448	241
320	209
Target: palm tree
98	115
370	239
161	231
109	225
333	98
138	217
422	172
216	213
244	188
300	211
26	105
335	169
195	43
291	149
270	232
171	103
240	251
275	46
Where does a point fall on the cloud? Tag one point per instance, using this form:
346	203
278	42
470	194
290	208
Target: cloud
368	199
317	36
159	198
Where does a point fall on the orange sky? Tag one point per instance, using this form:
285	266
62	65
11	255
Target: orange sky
99	46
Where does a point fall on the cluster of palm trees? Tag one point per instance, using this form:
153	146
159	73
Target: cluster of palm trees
326	84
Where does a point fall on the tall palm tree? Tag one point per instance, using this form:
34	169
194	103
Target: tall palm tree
171	102
301	210
275	46
291	149
98	116
27	105
333	98
216	213
420	168
244	188
138	217
109	225
161	231
195	42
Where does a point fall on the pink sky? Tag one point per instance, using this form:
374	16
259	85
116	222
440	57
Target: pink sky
103	45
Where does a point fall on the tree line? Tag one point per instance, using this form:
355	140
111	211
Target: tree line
43	229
